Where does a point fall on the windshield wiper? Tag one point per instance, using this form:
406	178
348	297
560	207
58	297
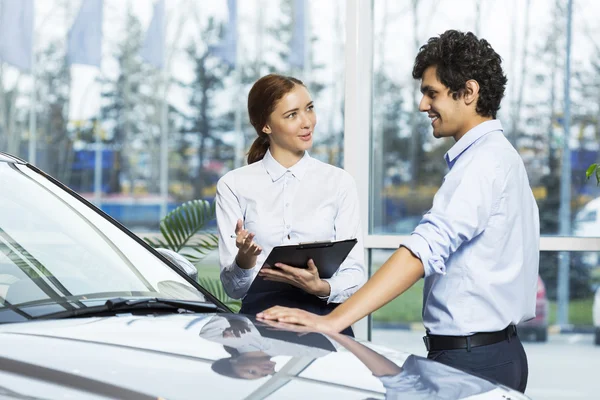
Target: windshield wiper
121	305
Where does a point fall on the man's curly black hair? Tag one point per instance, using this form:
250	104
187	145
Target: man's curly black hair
459	57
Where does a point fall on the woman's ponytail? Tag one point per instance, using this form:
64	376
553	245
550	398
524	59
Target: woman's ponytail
259	148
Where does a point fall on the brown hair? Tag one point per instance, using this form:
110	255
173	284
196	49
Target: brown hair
262	100
224	365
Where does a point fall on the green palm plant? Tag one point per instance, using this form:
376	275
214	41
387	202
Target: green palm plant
183	231
215	287
593	169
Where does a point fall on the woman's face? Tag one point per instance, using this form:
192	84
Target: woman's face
253	368
290	126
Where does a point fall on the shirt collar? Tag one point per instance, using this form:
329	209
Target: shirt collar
471	137
276	170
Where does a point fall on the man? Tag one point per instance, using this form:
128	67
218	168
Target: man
416	378
478	246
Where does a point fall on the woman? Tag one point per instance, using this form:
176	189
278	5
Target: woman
252	346
284	196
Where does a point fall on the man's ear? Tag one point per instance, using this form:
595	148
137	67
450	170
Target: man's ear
471	92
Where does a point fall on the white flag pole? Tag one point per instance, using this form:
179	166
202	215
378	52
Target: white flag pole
240	144
239	134
97	164
164	126
32	112
306	56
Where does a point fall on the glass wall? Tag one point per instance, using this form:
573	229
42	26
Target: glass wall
408	164
140	108
584	280
138	118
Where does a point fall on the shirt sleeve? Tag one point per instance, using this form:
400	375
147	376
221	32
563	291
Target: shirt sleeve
351	275
214	327
236	281
461	210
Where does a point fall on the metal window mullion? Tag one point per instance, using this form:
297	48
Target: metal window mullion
357	110
547	243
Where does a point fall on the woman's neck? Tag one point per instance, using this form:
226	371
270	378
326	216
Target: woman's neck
286	158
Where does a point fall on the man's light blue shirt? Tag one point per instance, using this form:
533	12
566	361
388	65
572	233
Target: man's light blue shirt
479	243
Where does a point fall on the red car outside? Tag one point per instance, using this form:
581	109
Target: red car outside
537	328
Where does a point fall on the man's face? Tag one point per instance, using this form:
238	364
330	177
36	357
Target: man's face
447	115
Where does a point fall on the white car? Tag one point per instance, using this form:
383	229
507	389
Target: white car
90	311
586	221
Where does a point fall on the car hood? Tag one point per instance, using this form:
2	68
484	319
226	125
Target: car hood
176	357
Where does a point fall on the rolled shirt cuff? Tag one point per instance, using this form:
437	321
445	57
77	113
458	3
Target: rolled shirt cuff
432	264
241	276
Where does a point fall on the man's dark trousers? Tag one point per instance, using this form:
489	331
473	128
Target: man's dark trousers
504	362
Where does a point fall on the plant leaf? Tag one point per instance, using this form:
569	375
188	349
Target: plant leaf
167	237
181	225
215	287
182	231
182	228
591	170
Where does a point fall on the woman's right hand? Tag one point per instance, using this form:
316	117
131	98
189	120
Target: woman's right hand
248	250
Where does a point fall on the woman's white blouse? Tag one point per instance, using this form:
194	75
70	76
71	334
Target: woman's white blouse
311	201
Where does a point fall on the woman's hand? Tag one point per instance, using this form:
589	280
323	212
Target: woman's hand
248	250
306	279
282	326
320	323
236	328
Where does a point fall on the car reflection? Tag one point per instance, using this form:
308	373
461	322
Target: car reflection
253	344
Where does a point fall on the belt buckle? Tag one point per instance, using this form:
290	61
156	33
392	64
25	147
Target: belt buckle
427	342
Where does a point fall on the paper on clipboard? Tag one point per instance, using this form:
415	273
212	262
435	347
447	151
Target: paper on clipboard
328	256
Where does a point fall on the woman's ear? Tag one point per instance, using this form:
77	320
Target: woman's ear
471	92
266	129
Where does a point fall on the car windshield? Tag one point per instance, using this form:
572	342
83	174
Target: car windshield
57	253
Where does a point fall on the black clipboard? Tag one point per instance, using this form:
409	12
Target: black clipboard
328	256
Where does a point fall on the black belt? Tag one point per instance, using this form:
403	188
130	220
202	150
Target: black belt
439	342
